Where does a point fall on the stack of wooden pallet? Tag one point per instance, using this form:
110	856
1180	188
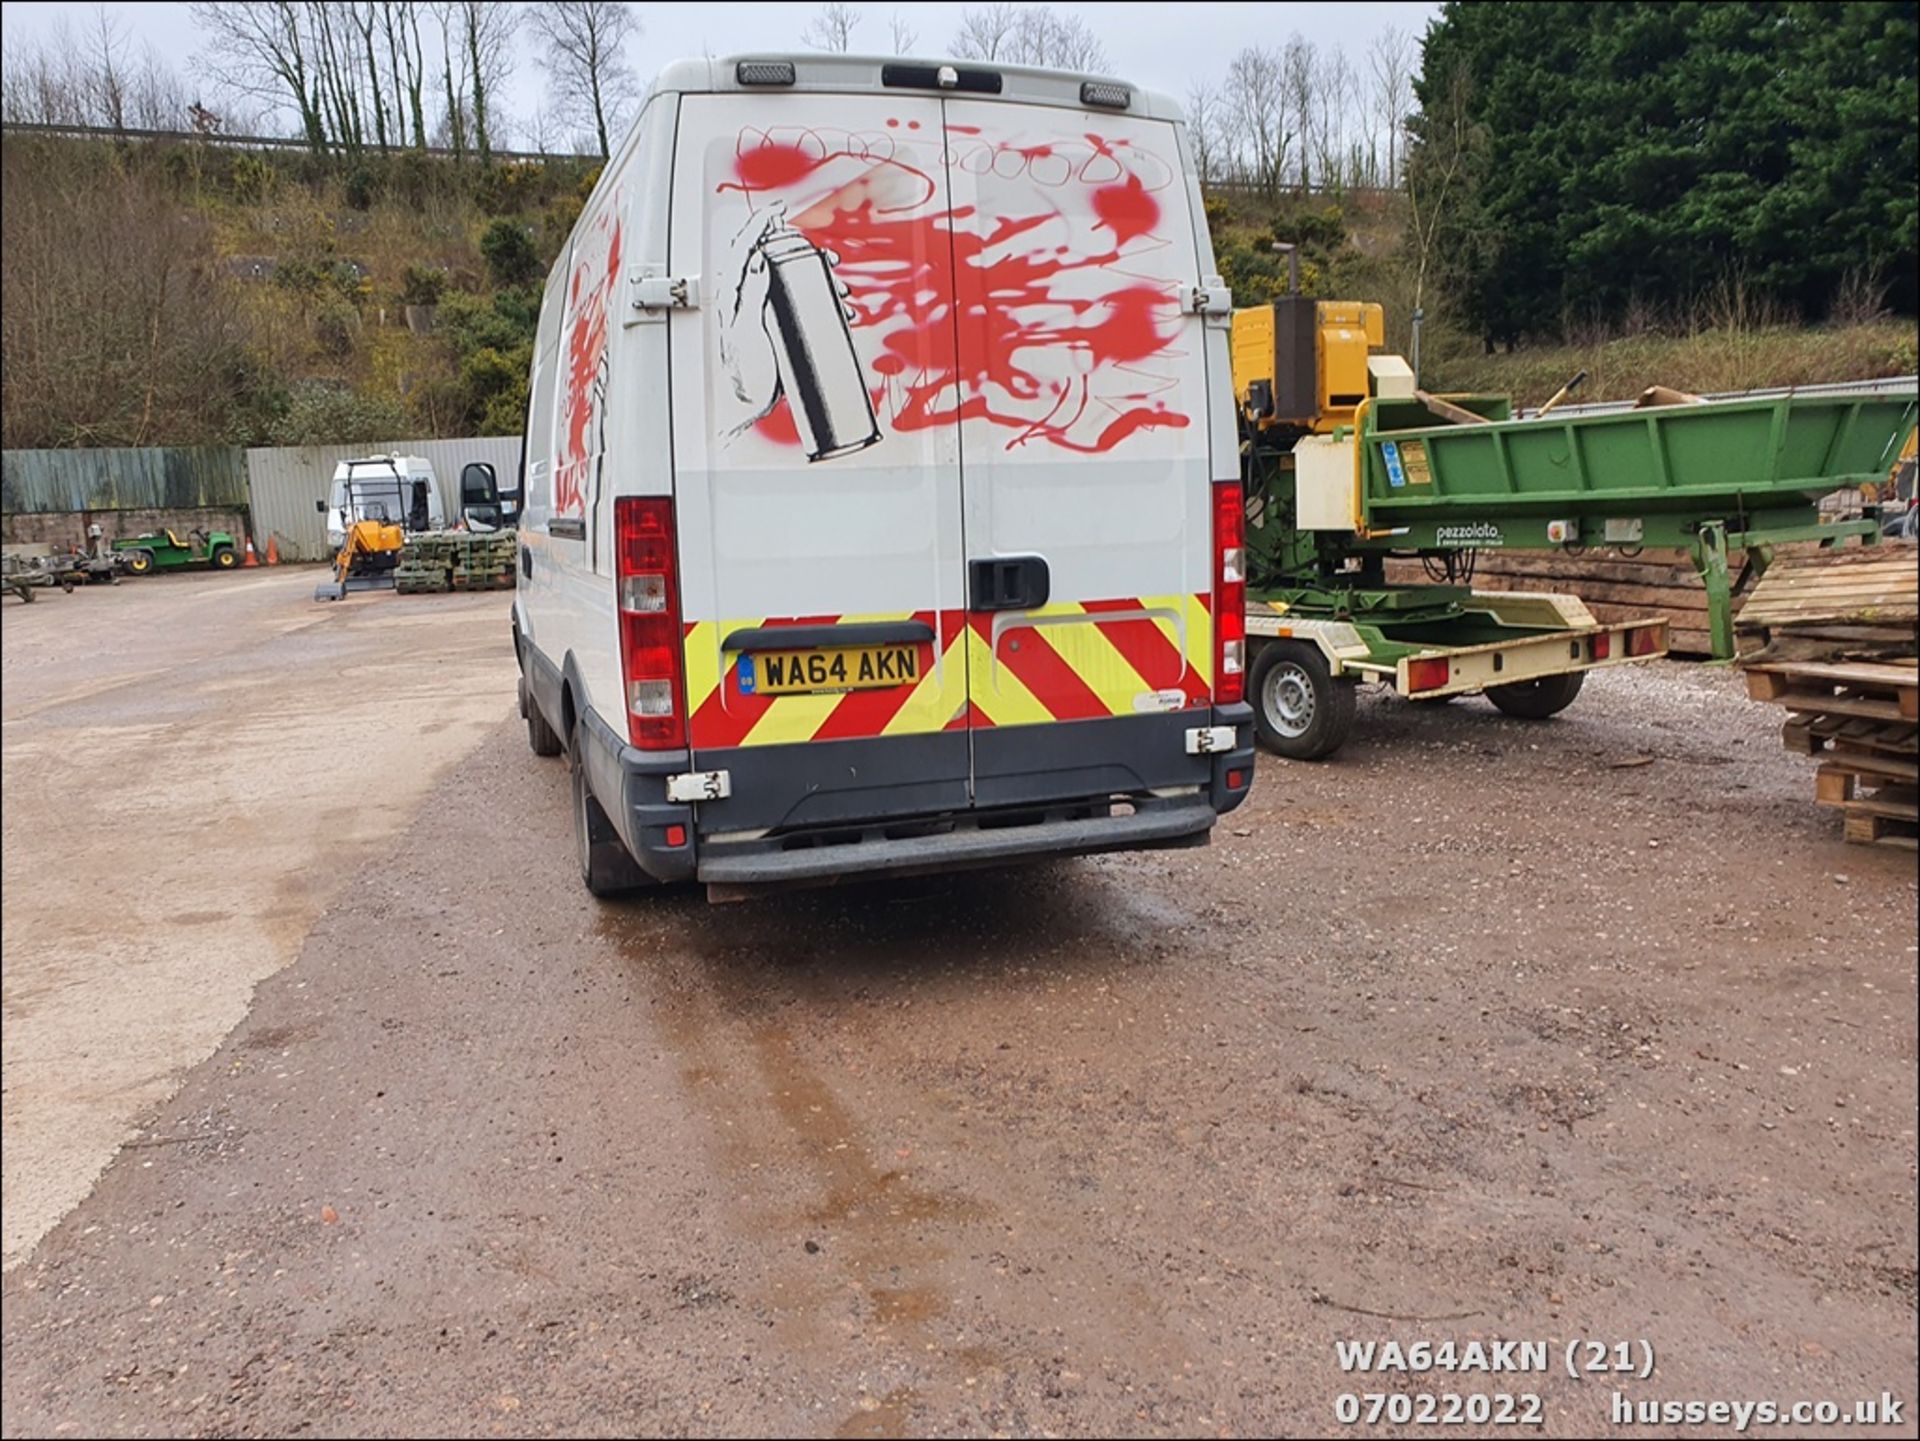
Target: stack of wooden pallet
1832	638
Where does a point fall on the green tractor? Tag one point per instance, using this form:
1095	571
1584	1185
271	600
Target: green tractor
165	550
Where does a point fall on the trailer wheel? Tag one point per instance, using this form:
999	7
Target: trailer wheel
542	739
1537	699
606	869
1299	710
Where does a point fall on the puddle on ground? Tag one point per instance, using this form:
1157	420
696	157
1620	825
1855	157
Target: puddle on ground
879	1415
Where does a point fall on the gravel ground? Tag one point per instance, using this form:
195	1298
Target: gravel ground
1486	1030
194	765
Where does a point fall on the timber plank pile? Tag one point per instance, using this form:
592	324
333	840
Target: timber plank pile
442	560
1833	638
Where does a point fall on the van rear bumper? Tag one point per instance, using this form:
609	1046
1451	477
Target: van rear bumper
1179	821
787	825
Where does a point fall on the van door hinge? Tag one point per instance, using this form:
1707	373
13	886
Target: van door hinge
655	295
1212	300
691	786
1209	740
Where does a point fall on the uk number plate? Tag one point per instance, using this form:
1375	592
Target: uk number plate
798	672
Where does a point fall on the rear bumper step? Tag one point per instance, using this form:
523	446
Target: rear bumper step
1186	821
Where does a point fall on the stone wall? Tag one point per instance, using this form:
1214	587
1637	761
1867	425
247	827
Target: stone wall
66	529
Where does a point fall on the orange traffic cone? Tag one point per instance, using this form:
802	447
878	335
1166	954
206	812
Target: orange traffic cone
273	549
252	559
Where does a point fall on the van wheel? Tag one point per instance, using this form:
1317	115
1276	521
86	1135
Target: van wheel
1538	699
542	739
1299	710
605	867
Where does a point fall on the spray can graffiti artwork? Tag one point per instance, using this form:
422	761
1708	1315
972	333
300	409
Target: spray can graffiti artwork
813	347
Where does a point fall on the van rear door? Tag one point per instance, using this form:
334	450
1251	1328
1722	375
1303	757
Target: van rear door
942	448
1085	452
816	456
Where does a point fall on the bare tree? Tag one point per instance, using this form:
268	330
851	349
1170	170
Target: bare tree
1391	60
1297	83
259	48
1437	170
486	32
400	19
1028	35
1331	98
985	32
1203	131
903	35
1253	105
586	41
109	86
365	16
453	78
1064	42
831	28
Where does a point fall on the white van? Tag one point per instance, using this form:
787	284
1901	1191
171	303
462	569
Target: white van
399	489
881	505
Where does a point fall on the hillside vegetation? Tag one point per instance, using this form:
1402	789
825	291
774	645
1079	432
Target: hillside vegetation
1707	196
1705	361
185	295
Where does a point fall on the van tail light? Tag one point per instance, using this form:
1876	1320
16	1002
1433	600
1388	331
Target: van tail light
647	575
1229	594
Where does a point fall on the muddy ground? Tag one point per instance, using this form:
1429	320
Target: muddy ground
1486	1030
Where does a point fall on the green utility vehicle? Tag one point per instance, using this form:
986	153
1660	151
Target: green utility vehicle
165	550
1346	463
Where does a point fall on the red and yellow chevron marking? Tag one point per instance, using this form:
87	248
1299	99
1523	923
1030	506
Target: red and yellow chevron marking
724	715
1079	660
1072	660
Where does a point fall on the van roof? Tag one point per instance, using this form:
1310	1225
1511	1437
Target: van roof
861	74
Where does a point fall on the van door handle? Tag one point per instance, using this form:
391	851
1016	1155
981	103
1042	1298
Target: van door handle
1008	582
526	562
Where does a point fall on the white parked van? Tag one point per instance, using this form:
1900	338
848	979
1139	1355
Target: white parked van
398	489
881	506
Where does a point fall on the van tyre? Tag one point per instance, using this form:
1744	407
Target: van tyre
542	739
1299	710
1537	699
605	867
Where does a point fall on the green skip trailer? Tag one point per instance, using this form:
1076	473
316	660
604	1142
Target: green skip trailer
1325	512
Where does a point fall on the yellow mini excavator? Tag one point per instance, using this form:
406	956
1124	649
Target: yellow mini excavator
372	546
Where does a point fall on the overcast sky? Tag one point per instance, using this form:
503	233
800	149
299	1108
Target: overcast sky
1163	46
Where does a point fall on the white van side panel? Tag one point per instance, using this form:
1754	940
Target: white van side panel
609	427
534	587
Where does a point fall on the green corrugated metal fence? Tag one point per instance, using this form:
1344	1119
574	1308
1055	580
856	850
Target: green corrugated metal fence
149	478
